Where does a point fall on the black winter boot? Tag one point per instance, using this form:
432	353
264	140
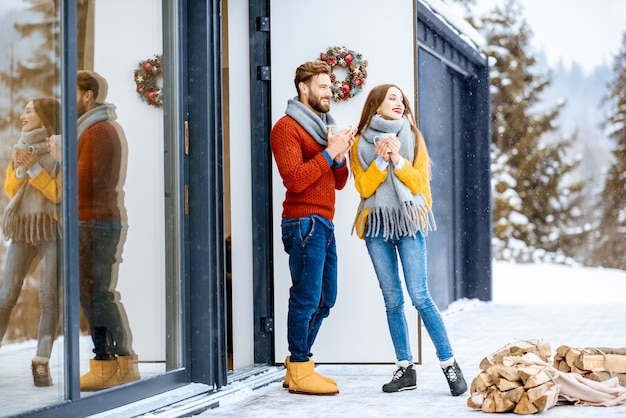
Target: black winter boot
455	378
403	379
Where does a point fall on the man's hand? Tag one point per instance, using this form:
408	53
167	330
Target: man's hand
339	144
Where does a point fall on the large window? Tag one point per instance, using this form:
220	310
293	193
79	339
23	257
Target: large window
124	181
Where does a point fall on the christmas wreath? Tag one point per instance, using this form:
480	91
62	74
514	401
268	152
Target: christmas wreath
147	77
353	62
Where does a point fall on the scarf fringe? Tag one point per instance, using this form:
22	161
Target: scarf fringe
392	222
30	228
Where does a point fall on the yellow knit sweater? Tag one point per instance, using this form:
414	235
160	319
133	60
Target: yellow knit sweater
415	176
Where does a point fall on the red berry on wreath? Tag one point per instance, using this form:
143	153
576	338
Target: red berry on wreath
151	95
345	88
147	66
349	59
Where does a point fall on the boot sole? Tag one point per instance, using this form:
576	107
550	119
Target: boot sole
401	389
311	393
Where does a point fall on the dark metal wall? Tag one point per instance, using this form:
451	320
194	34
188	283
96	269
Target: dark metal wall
453	113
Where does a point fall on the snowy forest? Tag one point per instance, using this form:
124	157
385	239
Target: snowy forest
558	149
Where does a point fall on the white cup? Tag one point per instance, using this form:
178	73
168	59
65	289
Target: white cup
57	138
382	136
335	129
25	147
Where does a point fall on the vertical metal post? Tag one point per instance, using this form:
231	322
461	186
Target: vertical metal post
70	200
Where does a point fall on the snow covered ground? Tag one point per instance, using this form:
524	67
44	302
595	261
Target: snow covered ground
560	305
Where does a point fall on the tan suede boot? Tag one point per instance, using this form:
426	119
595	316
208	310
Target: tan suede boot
288	377
102	375
303	379
127	369
41	371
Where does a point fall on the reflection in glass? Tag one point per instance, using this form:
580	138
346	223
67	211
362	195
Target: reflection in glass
121	170
29	223
31	353
102	231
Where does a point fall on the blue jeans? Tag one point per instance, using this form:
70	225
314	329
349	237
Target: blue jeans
99	257
19	258
310	243
412	252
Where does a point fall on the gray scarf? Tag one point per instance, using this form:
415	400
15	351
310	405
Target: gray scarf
315	125
30	216
393	211
100	113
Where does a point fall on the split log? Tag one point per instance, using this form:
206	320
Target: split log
489	404
481	383
544	396
533	377
475	401
505	385
602	376
525	406
572	356
502	403
515	395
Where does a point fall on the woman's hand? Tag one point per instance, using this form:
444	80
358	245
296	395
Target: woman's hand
23	159
382	148
393	148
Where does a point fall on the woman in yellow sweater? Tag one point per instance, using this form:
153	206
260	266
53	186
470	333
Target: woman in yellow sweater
391	171
30	222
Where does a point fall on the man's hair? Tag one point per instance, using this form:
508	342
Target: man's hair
306	71
86	80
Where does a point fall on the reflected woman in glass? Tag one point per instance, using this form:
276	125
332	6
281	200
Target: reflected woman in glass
33	184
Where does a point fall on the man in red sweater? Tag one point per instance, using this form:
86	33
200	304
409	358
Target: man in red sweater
102	230
311	159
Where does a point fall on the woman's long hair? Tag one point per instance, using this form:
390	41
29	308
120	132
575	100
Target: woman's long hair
374	99
49	111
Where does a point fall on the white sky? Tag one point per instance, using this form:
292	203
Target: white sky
588	32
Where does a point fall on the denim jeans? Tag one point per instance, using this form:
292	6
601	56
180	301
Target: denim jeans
310	243
18	261
412	252
99	257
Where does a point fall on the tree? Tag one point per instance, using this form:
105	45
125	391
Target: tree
536	204
611	232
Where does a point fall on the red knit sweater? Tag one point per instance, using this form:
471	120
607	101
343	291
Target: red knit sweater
99	159
309	179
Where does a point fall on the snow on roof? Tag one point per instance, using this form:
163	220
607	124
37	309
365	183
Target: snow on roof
456	22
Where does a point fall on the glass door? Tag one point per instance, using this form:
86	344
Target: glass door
126	154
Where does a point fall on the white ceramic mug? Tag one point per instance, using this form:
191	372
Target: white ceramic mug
383	136
25	147
335	129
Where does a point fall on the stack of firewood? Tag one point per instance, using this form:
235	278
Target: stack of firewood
508	383
595	363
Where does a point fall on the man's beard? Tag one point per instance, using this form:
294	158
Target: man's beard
316	104
81	109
